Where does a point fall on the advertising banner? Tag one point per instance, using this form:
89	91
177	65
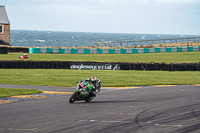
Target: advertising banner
94	66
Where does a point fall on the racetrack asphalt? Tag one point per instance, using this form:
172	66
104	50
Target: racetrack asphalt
144	109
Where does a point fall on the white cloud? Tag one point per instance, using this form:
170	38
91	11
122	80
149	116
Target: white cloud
135	16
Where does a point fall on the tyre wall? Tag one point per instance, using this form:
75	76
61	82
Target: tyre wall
18	50
3	50
20	64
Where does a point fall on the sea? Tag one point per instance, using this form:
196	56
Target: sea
29	38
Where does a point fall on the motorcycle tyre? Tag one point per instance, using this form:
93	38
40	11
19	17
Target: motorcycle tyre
88	100
73	97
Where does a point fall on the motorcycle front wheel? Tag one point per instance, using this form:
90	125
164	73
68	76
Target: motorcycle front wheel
73	97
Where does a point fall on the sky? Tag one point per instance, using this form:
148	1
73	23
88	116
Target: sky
107	16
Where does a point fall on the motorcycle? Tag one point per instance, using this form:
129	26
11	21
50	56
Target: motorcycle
82	92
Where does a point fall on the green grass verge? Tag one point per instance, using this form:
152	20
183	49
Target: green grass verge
14	92
69	78
178	57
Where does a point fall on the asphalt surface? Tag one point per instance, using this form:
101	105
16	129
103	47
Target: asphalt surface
150	109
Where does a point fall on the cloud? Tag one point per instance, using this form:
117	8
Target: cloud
132	16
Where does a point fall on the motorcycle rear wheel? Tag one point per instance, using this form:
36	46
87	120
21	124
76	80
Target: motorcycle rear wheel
73	97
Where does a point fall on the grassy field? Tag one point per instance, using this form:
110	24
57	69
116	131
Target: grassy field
178	57
13	92
69	78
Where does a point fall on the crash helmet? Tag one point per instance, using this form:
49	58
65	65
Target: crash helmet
94	79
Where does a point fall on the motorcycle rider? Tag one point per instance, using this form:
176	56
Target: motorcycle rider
96	84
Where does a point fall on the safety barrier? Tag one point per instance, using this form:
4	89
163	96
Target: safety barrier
34	64
113	51
21	64
162	42
6	49
3	50
161	66
18	50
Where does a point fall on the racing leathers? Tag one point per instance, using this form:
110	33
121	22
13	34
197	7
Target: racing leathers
95	85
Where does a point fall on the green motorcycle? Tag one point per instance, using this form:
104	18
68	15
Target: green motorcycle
83	92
